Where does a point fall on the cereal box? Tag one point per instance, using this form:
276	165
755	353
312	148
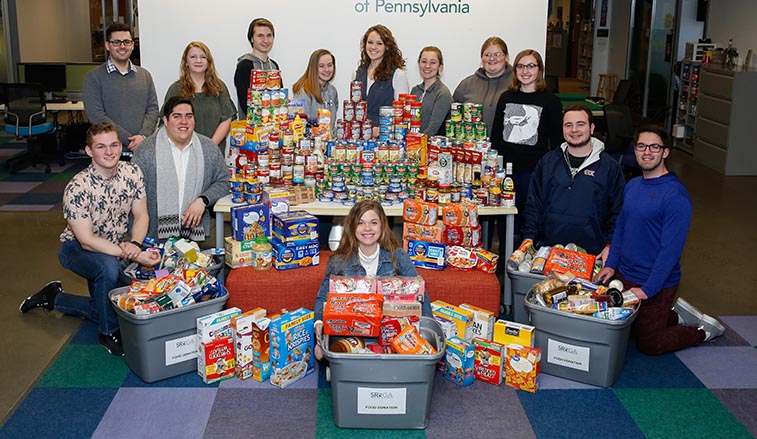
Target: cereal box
483	321
449	327
242	330
459	361
462	317
522	367
507	332
286	257
215	359
427	254
292	344
216	325
250	221
489	361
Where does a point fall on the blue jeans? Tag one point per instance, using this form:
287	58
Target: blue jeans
101	272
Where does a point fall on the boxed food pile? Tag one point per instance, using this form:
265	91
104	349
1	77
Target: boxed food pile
176	254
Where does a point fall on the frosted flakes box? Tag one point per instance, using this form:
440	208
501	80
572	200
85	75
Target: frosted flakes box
292	344
287	257
427	254
294	228
250	221
459	361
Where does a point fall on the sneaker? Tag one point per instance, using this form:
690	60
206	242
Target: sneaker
112	343
688	315
711	326
45	298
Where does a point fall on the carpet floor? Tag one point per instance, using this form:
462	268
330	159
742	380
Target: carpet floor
708	391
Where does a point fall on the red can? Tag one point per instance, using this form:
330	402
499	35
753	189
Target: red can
361	111
348	110
356	91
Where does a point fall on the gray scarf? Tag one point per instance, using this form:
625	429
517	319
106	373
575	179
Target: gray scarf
169	214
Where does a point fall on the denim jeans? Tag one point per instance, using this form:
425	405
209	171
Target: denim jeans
101	272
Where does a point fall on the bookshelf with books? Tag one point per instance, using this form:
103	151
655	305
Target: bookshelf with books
686	110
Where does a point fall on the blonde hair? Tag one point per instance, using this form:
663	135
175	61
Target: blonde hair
308	82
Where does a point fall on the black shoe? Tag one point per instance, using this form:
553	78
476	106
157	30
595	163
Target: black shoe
45	298
112	343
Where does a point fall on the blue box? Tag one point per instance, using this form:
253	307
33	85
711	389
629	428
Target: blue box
250	221
292	345
427	254
459	361
294	228
286	256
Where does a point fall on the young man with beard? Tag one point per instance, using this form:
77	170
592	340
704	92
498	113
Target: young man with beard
646	248
576	190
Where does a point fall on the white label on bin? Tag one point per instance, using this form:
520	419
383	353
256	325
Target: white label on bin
181	349
372	401
568	355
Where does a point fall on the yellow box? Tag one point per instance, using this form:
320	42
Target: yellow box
507	332
462	317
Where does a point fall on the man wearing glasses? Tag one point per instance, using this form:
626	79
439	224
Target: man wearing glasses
120	92
646	248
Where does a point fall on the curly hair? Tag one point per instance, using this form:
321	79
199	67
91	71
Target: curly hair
213	85
348	246
308	82
540	84
392	56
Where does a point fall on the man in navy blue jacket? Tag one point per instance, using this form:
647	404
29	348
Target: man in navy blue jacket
646	248
576	190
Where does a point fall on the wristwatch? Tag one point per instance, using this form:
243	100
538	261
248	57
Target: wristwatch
204	200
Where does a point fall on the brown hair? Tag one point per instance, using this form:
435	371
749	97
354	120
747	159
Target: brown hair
348	246
541	84
259	22
494	41
212	86
392	55
308	82
438	53
580	107
100	128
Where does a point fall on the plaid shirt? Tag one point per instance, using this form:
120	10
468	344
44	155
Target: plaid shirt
112	67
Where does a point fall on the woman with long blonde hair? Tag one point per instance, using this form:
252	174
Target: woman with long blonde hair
314	86
199	82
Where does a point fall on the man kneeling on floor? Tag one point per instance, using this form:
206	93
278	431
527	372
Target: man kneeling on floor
96	204
646	249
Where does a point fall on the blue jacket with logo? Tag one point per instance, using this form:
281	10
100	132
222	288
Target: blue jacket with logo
580	208
353	268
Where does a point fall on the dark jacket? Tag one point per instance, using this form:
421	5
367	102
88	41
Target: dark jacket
381	93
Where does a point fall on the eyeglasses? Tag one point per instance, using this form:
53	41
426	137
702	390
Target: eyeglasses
653	147
125	43
526	66
494	55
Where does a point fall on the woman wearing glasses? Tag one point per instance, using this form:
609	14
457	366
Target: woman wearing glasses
489	81
432	93
314	86
199	82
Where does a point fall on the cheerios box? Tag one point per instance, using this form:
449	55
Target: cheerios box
426	254
459	361
292	344
287	257
294	228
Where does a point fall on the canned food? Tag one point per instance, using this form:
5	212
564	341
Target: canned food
361	110
348	110
356	91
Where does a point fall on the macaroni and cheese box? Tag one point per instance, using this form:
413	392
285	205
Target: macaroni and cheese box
459	361
215	360
292	344
522	367
426	254
294	228
483	321
286	257
250	221
507	332
490	361
463	318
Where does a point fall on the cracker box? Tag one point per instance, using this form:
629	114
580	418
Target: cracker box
286	257
507	332
241	328
292	344
483	321
426	254
216	325
489	361
463	318
294	228
459	361
238	253
562	260
215	360
486	260
420	212
522	367
250	221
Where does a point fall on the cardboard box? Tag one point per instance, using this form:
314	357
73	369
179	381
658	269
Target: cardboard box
215	360
250	221
506	332
238	253
426	254
522	367
294	228
419	232
242	330
463	318
489	361
301	195
459	361
286	257
292	344
216	325
483	321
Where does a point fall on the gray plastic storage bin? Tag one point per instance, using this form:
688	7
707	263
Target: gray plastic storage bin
386	391
579	347
215	270
150	340
521	284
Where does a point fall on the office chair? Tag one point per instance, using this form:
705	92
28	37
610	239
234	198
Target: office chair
25	118
627	93
620	136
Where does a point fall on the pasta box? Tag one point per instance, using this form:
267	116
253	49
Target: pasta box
286	257
295	227
426	254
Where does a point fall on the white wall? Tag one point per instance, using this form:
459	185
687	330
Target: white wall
54	31
305	25
733	19
691	29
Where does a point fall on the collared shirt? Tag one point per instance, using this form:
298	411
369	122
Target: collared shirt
181	162
112	67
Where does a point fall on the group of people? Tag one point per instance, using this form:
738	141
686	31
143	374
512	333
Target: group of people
569	191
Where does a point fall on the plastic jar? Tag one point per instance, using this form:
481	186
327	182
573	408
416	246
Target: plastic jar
262	254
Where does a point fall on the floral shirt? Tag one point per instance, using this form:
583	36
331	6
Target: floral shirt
105	202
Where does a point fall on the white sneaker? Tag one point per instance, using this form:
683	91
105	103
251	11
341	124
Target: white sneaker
711	326
688	315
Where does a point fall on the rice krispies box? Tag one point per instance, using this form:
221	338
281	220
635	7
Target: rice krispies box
292	344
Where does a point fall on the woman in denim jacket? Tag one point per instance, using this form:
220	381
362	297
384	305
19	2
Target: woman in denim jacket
368	248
